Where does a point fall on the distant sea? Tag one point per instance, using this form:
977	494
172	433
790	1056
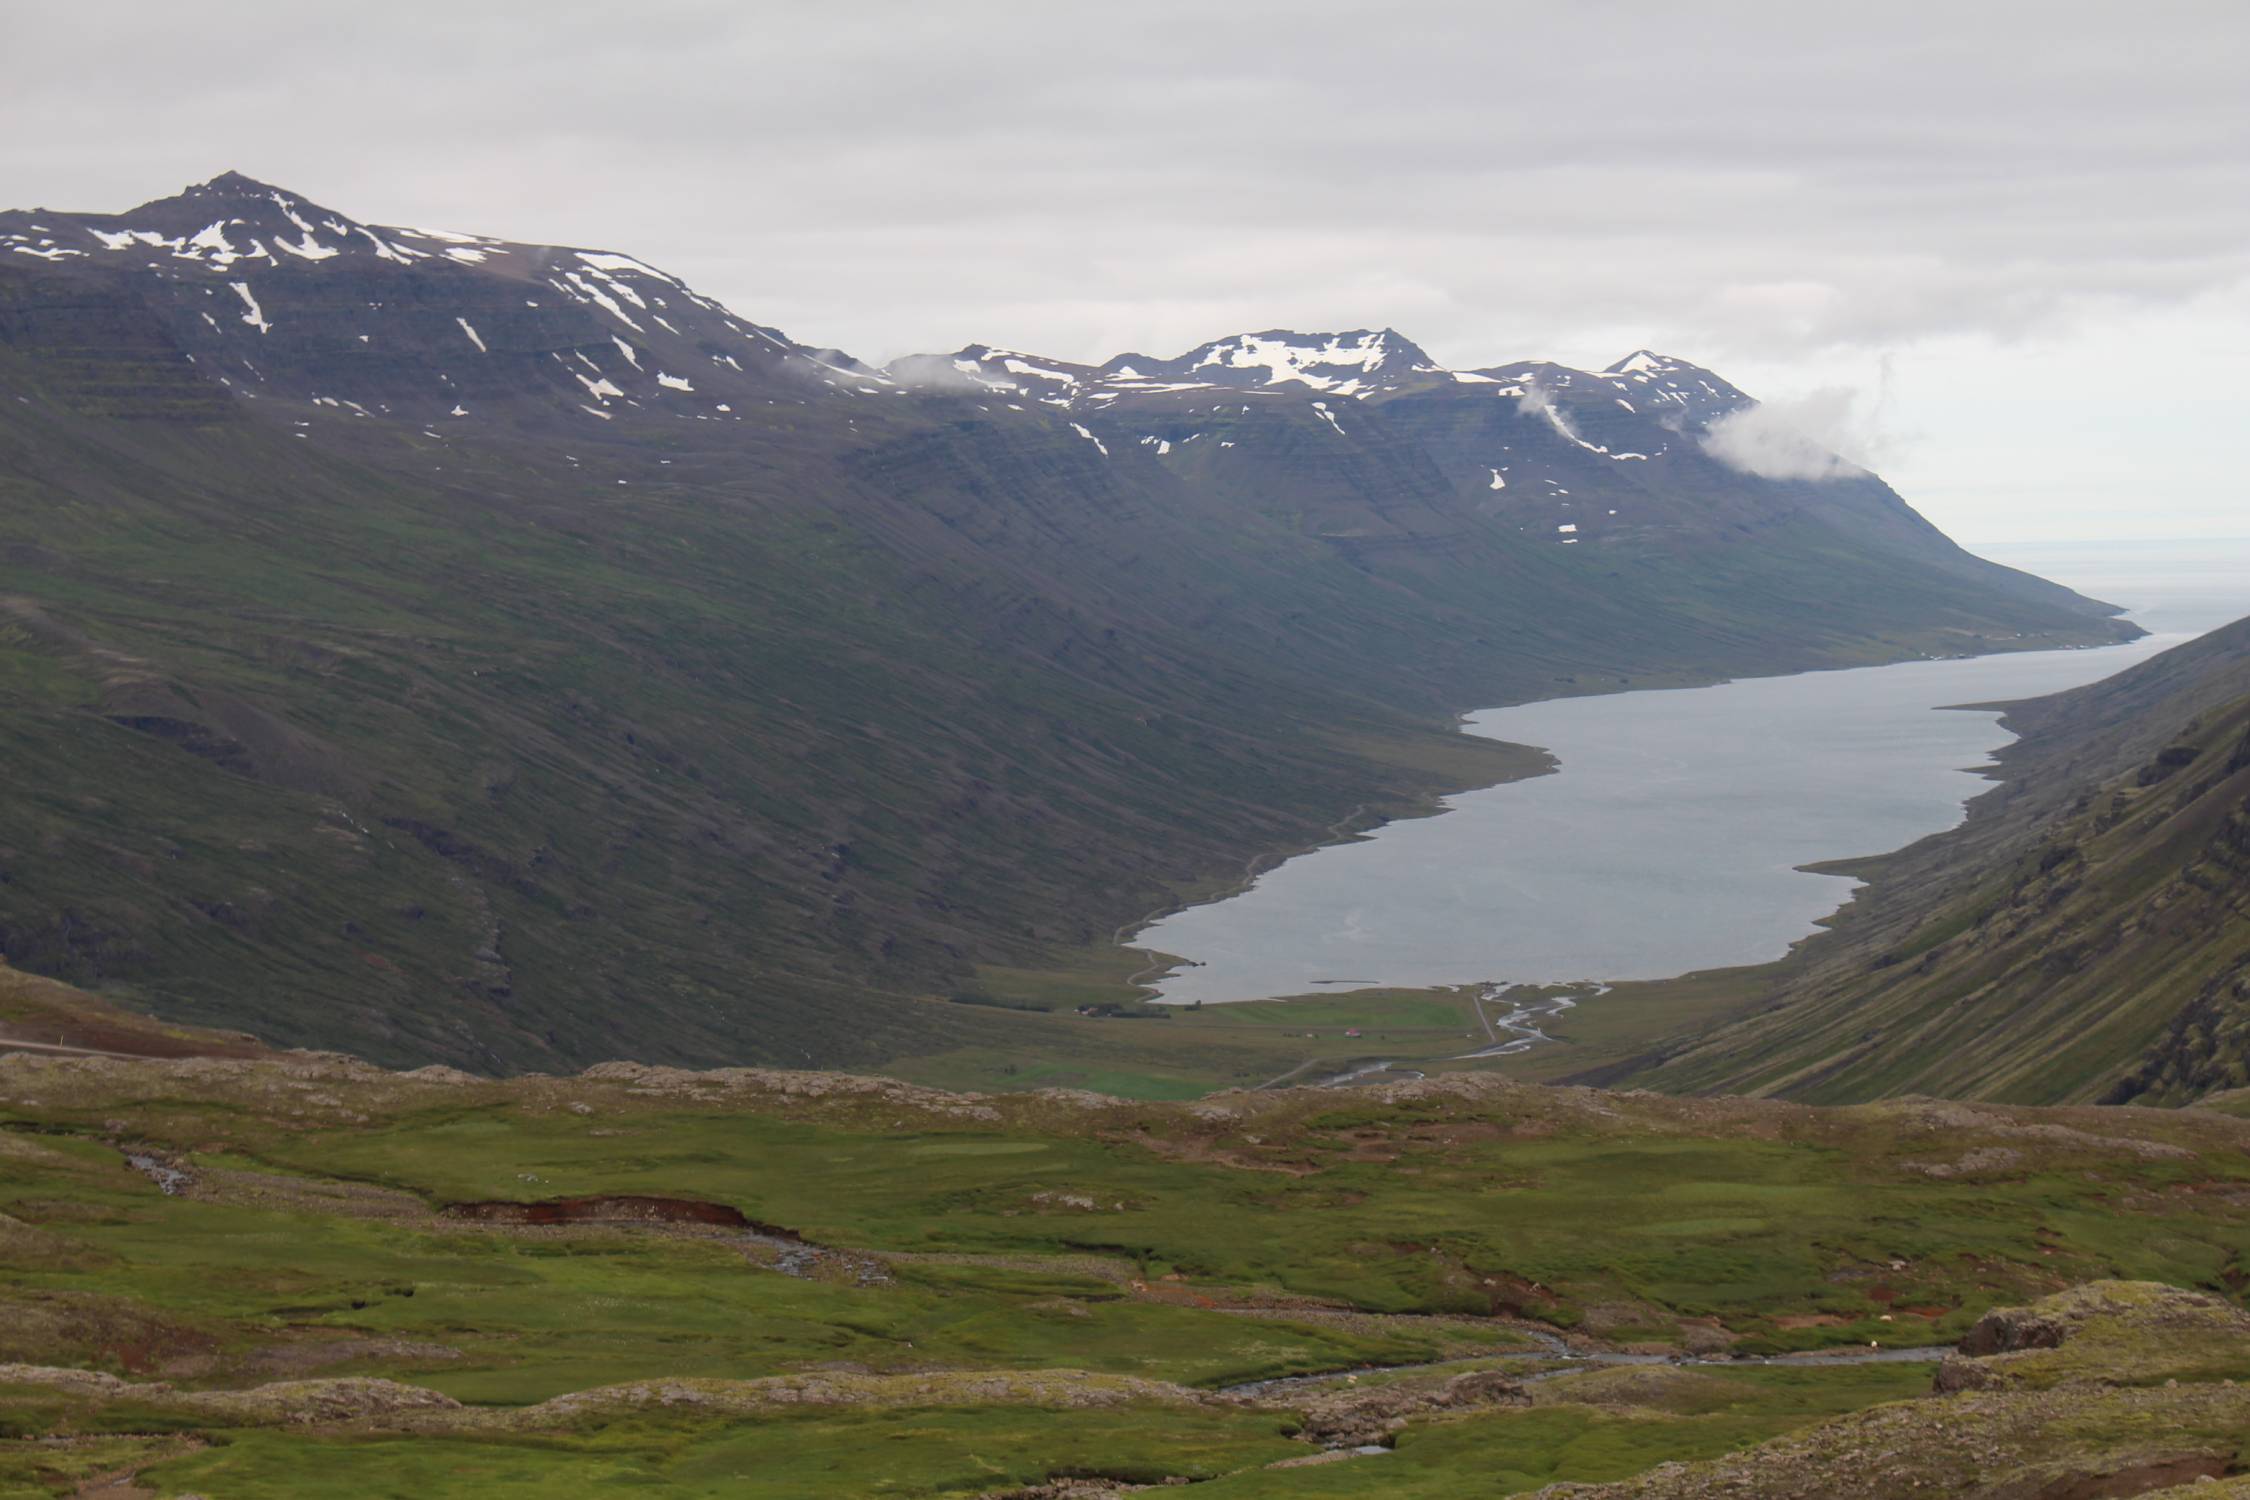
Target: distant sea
2170	587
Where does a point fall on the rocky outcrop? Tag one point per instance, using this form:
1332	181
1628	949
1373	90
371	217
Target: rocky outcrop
2103	1333
2005	1330
1373	1414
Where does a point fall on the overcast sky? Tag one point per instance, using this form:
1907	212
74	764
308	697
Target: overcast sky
2018	236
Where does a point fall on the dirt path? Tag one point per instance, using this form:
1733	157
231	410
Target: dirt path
10	1044
1477	1003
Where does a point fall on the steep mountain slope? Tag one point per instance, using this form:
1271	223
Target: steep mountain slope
450	648
2084	936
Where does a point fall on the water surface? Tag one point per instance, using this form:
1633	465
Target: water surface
1670	837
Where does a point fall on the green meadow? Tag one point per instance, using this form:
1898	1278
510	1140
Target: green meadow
796	1284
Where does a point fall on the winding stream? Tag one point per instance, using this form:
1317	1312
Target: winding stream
1577	1359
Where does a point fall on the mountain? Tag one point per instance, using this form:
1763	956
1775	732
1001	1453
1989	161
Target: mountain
1358	363
1361	362
1621	457
449	648
2084	936
271	295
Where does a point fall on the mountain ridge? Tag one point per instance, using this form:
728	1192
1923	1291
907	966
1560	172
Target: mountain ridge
406	662
600	356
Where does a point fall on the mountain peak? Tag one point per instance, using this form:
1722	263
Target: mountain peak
1649	362
232	184
1347	363
239	197
1679	381
231	221
293	300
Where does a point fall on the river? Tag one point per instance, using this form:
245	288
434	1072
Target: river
1671	836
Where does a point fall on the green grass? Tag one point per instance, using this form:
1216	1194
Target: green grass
1374	1011
953	1451
1435	1206
1196	1049
897	1452
536	1317
1198	1245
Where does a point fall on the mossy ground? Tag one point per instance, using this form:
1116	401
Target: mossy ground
1182	1052
950	1236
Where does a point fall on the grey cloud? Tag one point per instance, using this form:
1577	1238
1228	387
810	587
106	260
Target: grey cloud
1752	180
938	372
1792	439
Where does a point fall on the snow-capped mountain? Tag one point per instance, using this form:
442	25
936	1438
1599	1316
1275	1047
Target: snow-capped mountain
1661	386
1572	456
981	367
1360	362
285	304
275	296
1357	363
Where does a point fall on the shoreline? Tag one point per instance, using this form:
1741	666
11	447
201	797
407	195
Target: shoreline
1354	825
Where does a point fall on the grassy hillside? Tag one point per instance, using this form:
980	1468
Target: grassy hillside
2084	936
225	1273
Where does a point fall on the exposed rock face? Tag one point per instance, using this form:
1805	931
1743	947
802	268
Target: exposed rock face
2107	1333
2004	1330
1954	1375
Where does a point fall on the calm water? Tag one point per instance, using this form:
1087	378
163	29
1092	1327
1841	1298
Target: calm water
1669	839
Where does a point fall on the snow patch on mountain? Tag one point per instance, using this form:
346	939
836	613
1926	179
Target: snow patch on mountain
1537	401
608	262
1321	361
256	316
